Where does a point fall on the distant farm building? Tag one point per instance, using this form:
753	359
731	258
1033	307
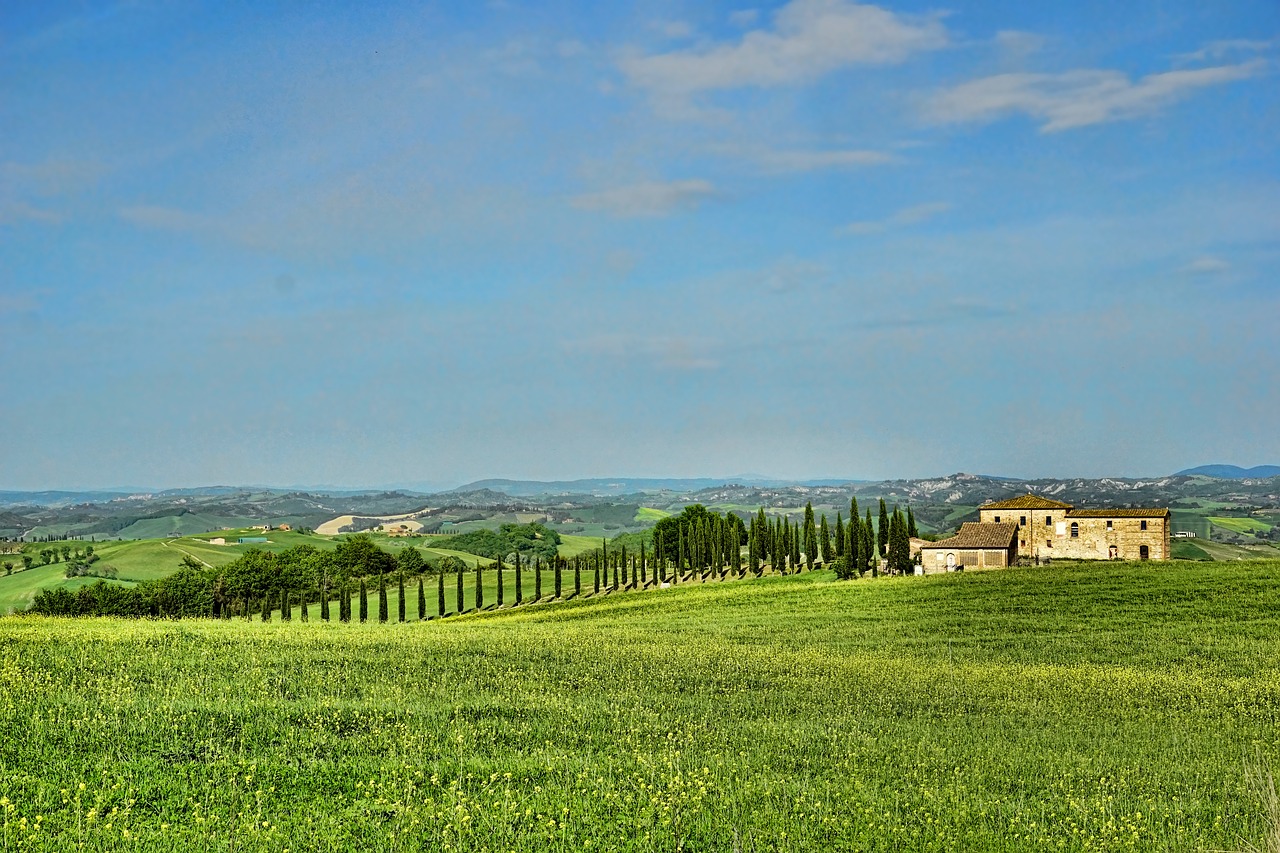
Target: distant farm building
284	527
1048	528
977	545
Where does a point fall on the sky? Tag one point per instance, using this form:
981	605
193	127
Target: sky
420	244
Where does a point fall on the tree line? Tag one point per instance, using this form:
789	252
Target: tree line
698	544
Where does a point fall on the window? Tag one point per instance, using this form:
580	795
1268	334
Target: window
997	519
1022	543
1023	521
1075	530
1108	524
1144	524
1048	543
1048	521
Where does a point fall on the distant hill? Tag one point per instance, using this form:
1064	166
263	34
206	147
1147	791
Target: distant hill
1232	472
617	486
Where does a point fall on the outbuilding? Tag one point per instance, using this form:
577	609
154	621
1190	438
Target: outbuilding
977	546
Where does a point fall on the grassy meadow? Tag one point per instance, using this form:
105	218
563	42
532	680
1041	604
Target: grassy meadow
1091	707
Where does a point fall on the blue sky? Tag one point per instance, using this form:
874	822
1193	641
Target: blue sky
371	244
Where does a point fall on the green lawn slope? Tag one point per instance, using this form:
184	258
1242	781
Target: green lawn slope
1089	707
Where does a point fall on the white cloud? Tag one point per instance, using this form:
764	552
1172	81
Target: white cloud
671	352
906	216
1207	265
15	210
744	17
1078	98
807	39
1019	43
164	218
649	198
814	160
1216	50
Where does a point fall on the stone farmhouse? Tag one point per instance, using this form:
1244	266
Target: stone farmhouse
1039	528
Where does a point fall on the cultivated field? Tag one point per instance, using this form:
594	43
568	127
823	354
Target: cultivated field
1090	707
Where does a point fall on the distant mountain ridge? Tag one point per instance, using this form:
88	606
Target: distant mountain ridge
613	486
1232	472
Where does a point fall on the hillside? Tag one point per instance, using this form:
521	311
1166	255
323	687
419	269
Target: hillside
1077	708
1232	472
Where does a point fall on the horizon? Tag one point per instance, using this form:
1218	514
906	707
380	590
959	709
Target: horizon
736	479
332	244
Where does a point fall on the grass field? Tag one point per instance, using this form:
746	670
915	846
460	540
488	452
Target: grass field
1074	707
650	515
571	546
1240	525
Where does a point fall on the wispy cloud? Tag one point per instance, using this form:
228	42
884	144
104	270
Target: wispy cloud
1217	50
650	198
1207	265
164	218
783	161
807	40
1078	98
671	352
906	216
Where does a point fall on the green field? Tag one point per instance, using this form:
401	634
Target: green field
1240	525
1089	707
650	515
571	546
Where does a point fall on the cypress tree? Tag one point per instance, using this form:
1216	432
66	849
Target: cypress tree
461	568
324	600
286	614
400	586
558	577
913	532
537	579
869	544
422	600
364	601
622	558
499	568
382	598
882	531
615	572
810	536
344	603
302	606
853	547
795	547
824	541
440	585
577	575
644	575
595	563
266	608
479	586
680	551
839	534
519	581
854	515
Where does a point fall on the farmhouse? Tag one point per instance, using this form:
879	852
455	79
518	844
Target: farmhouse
1049	528
977	545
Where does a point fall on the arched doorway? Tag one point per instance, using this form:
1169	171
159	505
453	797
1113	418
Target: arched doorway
1144	553
951	562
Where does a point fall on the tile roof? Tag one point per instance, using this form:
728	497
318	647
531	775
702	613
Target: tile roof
1027	501
974	534
1119	513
